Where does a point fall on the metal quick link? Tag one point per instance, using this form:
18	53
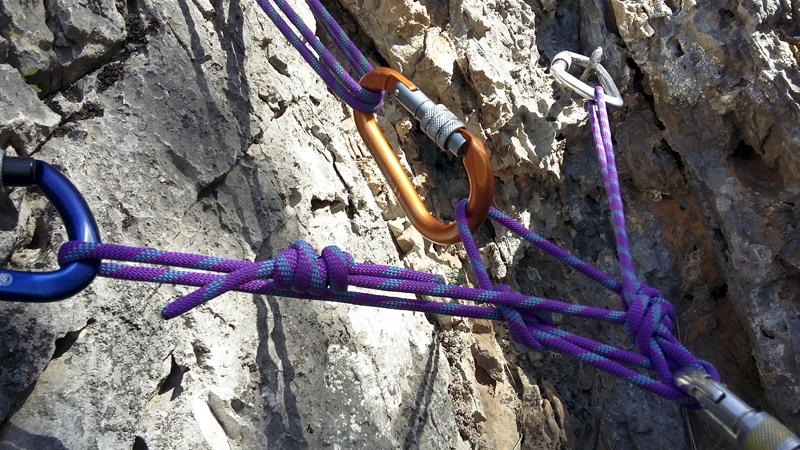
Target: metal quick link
740	423
563	61
438	122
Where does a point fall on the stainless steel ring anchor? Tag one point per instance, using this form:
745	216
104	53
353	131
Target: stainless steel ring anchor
563	61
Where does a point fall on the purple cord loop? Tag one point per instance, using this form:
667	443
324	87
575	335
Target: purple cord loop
648	317
299	269
300	272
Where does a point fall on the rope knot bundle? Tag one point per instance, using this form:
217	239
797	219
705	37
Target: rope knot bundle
299	269
650	316
303	270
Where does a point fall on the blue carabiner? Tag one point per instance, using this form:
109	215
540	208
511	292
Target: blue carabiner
78	220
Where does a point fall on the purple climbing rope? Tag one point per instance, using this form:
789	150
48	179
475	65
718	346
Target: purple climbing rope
325	65
302	273
648	318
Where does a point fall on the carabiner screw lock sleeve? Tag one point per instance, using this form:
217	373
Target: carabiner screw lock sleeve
436	120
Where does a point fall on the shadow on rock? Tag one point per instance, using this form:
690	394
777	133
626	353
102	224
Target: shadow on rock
23	440
286	434
418	417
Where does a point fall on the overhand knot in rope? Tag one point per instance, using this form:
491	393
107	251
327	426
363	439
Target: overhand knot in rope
649	316
301	269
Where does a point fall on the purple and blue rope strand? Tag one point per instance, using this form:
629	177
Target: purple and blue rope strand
302	273
519	311
325	65
537	334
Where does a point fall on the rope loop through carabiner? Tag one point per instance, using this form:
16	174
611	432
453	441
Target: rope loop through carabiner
449	134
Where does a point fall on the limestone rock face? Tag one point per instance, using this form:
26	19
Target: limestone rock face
195	127
24	122
725	85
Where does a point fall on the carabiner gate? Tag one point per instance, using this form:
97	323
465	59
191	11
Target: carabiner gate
740	423
449	133
78	220
563	61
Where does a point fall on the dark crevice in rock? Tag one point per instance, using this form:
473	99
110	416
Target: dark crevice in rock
611	20
41	234
354	31
139	444
237	405
673	5
419	415
674	47
483	377
558	30
753	172
350	209
641	85
277	105
210	190
721	243
666	149
109	74
719	292
90	110
9	214
469	94
726	18
133	324
65	343
174	380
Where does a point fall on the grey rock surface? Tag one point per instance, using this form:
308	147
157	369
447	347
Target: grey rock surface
193	126
25	122
62	39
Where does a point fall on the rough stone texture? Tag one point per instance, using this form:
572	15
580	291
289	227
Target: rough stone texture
725	85
24	121
194	126
62	39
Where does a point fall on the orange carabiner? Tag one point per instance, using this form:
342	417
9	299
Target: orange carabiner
443	127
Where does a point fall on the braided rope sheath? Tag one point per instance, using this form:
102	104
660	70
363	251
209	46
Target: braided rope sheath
325	65
302	273
299	272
